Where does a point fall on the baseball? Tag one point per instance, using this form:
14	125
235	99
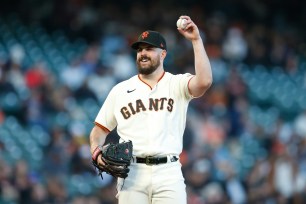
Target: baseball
181	23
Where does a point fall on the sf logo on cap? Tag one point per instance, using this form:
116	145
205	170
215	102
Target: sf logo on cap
145	34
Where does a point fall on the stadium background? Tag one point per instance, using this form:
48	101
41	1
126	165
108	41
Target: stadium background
245	140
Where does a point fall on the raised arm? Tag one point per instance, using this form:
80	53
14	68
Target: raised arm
202	80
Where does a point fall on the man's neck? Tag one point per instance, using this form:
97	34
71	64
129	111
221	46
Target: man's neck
153	78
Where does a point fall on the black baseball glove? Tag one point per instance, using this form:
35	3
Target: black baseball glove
117	158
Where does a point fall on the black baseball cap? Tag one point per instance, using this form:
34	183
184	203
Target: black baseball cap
152	38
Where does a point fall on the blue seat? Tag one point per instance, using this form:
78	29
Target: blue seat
40	135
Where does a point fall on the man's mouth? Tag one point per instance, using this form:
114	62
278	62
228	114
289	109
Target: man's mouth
144	59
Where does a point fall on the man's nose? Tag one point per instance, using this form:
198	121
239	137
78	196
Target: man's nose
143	52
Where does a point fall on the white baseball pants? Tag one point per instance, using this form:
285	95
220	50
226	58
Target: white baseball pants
153	184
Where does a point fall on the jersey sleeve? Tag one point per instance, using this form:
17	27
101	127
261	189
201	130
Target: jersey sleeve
106	116
183	82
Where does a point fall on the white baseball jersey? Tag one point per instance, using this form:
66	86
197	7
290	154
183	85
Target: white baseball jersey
153	118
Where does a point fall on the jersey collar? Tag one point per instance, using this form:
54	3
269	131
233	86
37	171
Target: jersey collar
163	74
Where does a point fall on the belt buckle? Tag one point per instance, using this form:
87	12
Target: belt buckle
148	159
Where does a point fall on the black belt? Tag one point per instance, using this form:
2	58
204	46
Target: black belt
149	160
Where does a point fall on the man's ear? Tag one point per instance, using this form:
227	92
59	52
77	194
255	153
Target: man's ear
164	54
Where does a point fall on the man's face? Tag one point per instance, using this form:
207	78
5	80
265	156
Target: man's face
148	59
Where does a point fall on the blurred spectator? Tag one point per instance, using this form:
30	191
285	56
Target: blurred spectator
80	157
288	180
123	65
74	75
2	116
5	85
259	185
57	153
16	76
299	125
213	193
199	174
39	194
90	60
7	191
56	190
34	112
234	187
101	82
258	45
36	76
84	92
279	50
85	200
17	54
22	181
234	47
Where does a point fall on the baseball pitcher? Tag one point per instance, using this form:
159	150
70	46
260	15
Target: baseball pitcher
149	111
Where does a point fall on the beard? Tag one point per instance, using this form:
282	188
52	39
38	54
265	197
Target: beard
149	68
